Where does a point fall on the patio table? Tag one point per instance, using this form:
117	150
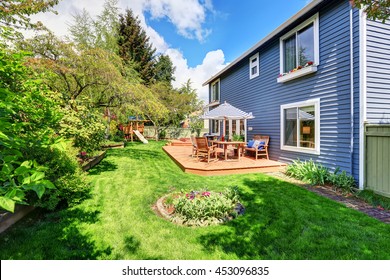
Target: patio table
239	145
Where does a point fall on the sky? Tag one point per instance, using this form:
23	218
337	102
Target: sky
200	36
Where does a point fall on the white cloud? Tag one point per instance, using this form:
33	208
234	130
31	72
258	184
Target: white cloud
187	16
213	62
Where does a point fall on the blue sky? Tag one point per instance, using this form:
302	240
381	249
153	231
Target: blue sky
234	26
200	36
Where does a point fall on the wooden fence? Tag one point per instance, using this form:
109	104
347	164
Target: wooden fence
377	158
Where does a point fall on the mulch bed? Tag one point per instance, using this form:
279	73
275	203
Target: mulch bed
347	199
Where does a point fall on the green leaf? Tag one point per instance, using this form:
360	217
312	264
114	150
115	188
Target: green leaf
36	176
7	204
7	168
48	184
3	136
21	170
39	189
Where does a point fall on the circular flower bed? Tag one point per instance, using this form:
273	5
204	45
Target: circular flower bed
201	208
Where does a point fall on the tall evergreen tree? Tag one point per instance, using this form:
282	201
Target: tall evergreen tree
164	69
135	48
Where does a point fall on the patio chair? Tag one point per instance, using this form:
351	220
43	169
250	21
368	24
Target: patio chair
194	146
204	150
259	146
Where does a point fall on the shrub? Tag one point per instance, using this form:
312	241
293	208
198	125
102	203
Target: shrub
316	174
83	125
65	172
342	180
204	208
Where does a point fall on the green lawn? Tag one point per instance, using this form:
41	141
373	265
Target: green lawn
282	221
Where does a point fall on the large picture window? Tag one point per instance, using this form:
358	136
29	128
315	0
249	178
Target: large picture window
300	129
300	46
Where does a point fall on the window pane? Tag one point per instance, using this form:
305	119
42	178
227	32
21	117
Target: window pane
307	126
215	126
254	70
290	127
215	92
306	45
289	46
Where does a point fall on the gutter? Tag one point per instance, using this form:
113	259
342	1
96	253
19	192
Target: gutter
290	21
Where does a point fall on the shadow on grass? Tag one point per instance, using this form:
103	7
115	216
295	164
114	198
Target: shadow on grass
283	221
104	166
53	236
137	153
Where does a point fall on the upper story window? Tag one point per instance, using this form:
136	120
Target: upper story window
254	66
215	91
299	50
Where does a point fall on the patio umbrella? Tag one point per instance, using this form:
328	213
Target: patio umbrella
226	111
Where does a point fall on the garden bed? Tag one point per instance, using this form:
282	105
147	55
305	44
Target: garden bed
7	219
118	145
200	208
93	161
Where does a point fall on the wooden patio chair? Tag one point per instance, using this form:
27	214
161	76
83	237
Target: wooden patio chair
204	150
260	147
194	146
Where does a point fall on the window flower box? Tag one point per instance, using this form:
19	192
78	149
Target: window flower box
297	72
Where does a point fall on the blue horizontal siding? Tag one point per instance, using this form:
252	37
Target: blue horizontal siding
263	96
378	72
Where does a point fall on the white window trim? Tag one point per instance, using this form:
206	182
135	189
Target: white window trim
251	65
315	20
311	102
219	91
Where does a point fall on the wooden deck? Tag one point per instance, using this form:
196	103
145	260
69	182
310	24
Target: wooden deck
182	156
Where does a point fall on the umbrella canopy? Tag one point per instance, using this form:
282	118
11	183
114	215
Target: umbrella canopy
226	111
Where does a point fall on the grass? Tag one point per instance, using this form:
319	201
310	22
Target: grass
282	221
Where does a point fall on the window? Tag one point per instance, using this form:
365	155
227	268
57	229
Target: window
300	48
215	91
300	127
215	126
254	66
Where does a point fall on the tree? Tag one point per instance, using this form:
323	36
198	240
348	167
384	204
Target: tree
375	9
164	69
100	33
176	105
15	13
135	48
78	71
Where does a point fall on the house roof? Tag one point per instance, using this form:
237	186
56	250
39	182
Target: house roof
301	13
227	111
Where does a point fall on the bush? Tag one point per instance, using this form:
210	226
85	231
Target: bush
316	174
204	208
65	172
83	125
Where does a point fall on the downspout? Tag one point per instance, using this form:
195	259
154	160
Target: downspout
362	94
352	88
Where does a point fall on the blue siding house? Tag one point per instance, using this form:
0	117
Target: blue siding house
312	85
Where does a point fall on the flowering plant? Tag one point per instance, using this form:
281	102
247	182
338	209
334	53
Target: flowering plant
199	208
83	155
309	63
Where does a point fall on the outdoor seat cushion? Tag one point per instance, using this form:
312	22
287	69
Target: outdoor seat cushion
261	145
250	143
